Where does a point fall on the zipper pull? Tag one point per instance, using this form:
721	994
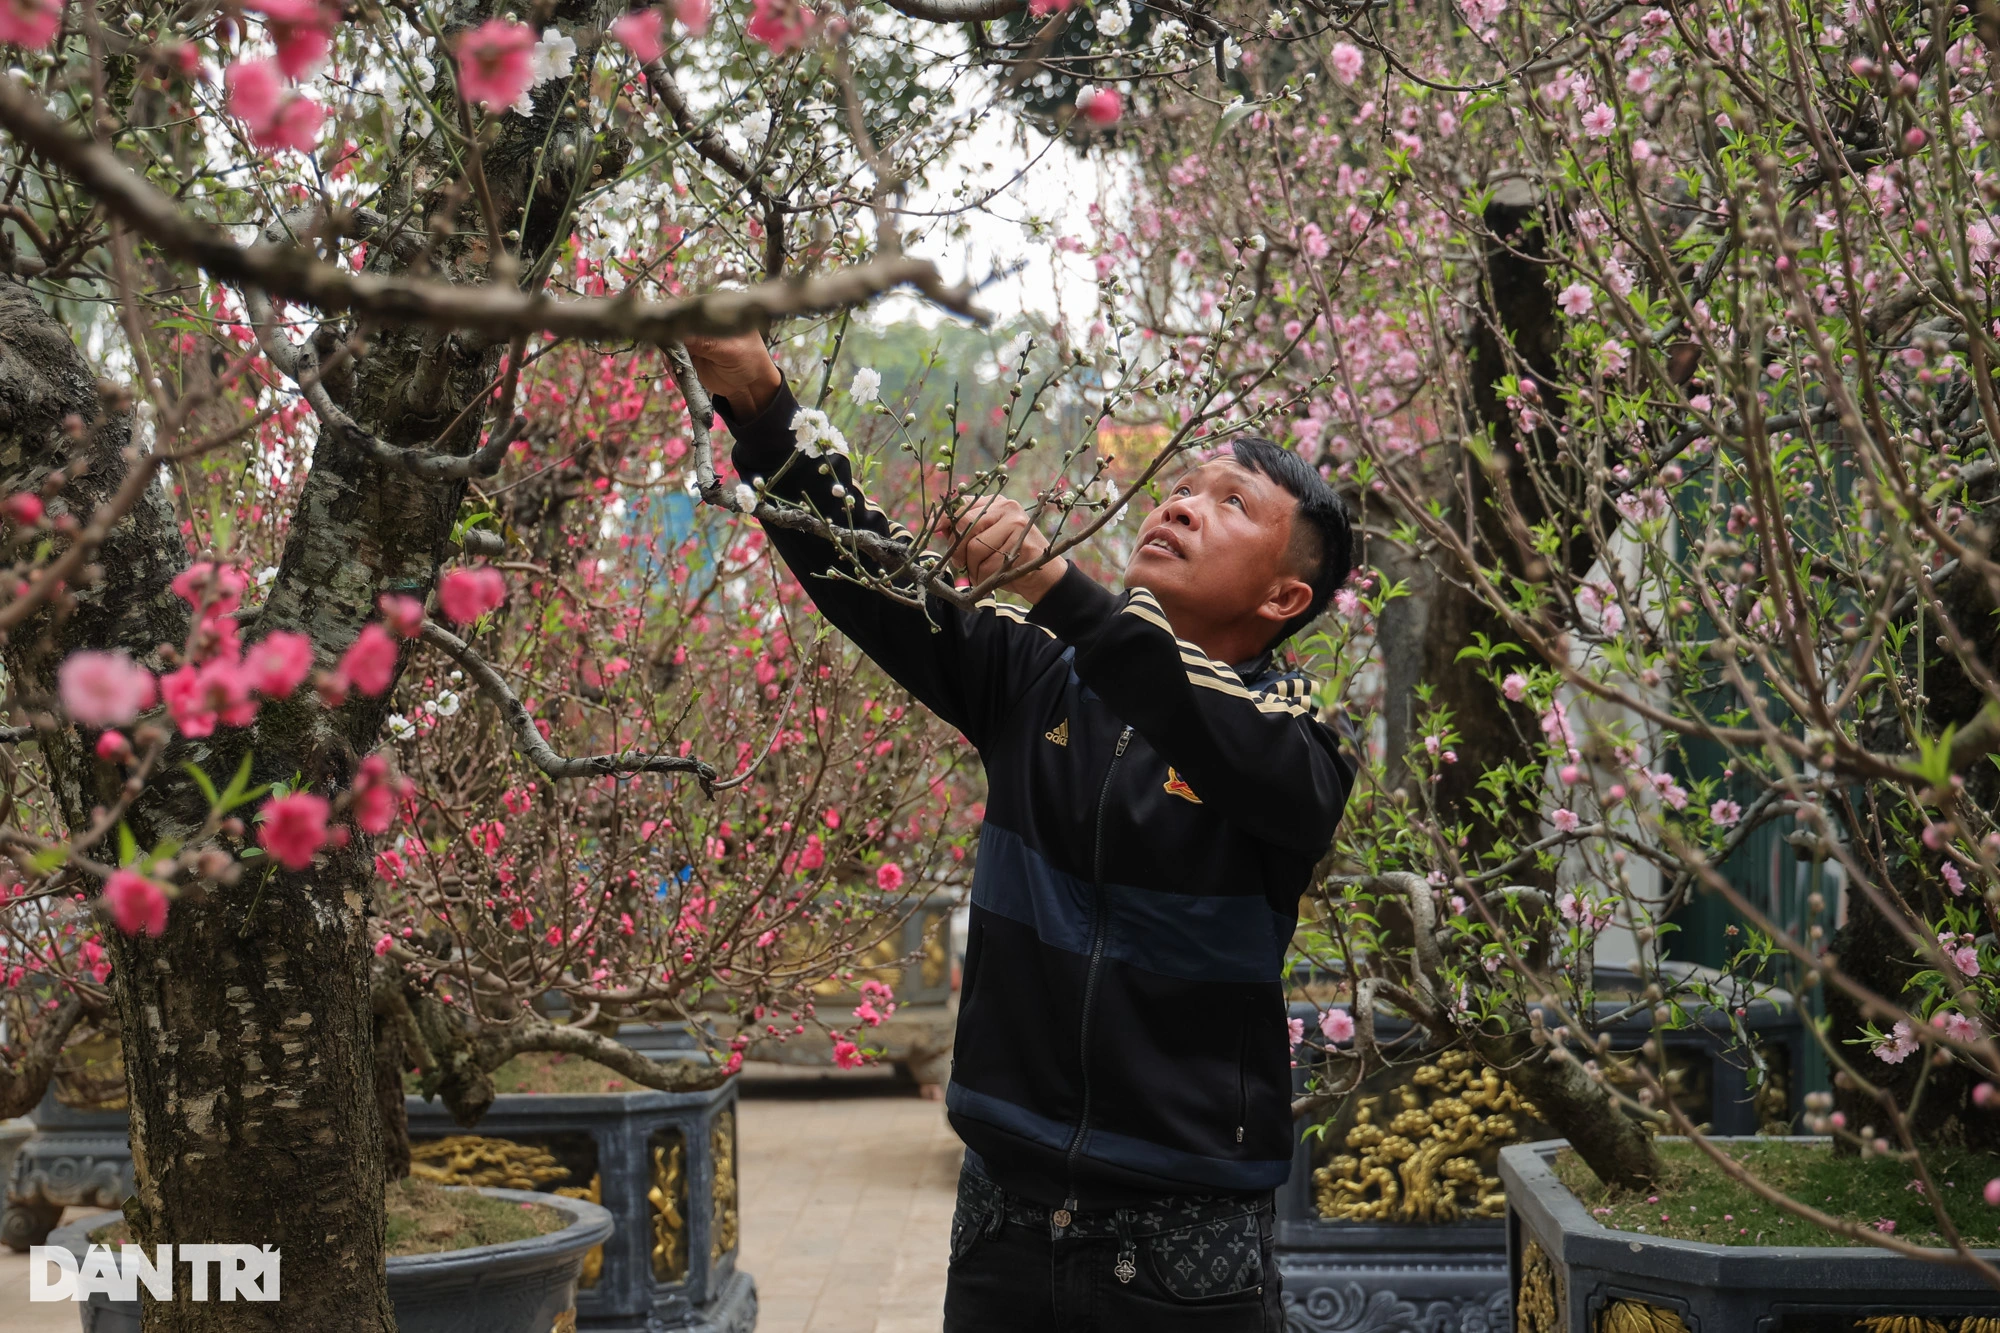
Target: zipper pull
1239	1133
1124	739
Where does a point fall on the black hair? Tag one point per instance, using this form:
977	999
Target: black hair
1322	548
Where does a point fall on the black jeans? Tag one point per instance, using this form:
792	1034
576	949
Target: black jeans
1188	1264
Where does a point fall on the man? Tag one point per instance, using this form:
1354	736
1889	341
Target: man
1158	796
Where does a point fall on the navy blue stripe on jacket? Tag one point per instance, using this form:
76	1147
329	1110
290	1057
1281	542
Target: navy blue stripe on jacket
1153	815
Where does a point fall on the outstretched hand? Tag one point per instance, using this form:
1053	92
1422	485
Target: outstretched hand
994	533
737	367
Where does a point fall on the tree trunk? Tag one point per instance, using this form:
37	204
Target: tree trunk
1616	1147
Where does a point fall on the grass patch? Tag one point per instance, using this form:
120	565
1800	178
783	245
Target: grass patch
549	1072
428	1219
1695	1201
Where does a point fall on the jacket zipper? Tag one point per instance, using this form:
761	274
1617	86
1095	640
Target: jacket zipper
1242	1075
1096	961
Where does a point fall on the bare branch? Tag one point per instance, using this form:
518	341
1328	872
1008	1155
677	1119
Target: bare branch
535	1033
21	1089
528	737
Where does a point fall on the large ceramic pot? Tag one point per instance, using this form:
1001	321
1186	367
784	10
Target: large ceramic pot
663	1164
1569	1274
1392	1220
523	1286
77	1157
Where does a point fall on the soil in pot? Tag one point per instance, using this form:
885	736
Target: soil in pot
1694	1200
429	1219
547	1072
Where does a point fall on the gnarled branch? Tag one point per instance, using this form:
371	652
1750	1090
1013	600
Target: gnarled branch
498	311
528	737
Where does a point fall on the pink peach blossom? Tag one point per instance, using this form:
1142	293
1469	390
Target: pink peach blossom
782	25
693	14
29	23
888	877
467	594
369	663
302	31
642	33
1347	61
1337	1025
278	663
404	615
1101	106
138	905
496	62
292	828
104	689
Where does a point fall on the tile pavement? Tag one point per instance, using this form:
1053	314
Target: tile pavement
848	1181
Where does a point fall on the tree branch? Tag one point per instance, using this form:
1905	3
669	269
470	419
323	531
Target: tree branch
20	1090
498	311
956	11
535	1033
528	737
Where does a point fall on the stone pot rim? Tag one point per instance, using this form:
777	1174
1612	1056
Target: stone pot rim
590	1224
1557	1219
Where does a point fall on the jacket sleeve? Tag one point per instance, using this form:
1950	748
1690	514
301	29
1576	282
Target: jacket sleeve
967	667
1263	760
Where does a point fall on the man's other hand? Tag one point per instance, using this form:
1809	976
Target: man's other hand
990	530
739	368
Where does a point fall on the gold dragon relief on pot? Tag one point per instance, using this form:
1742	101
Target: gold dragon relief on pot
1538	1300
474	1159
1418	1153
722	1149
1627	1316
669	1199
1918	1323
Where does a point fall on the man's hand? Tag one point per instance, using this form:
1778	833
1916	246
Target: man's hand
991	530
739	368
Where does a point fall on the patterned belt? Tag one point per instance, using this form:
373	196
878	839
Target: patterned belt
979	1195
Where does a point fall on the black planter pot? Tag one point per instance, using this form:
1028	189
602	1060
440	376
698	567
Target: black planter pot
523	1286
76	1158
1434	1258
663	1164
1569	1274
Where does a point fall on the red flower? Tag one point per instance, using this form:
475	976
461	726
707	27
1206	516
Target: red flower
642	33
888	877
467	594
278	663
103	689
199	697
29	23
303	32
782	25
370	661
845	1053
138	905
404	615
1041	9
374	795
24	507
1102	106
693	14
496	62
293	828
212	589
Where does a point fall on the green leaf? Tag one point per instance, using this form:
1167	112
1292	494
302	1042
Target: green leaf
48	859
1232	116
201	781
128	846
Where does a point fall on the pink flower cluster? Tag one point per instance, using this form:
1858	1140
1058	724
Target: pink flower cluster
138	905
104	689
302	30
782	25
30	23
220	683
467	594
496	62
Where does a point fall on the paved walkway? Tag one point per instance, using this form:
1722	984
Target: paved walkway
848	1181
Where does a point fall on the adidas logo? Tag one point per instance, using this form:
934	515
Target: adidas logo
1060	735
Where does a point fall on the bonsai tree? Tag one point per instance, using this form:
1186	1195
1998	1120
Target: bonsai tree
1655	349
369	678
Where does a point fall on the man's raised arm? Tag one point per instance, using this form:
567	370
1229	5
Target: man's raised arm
964	666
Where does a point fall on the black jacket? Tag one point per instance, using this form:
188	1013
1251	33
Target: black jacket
1152	818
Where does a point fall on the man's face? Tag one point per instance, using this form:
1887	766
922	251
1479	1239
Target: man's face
1215	552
